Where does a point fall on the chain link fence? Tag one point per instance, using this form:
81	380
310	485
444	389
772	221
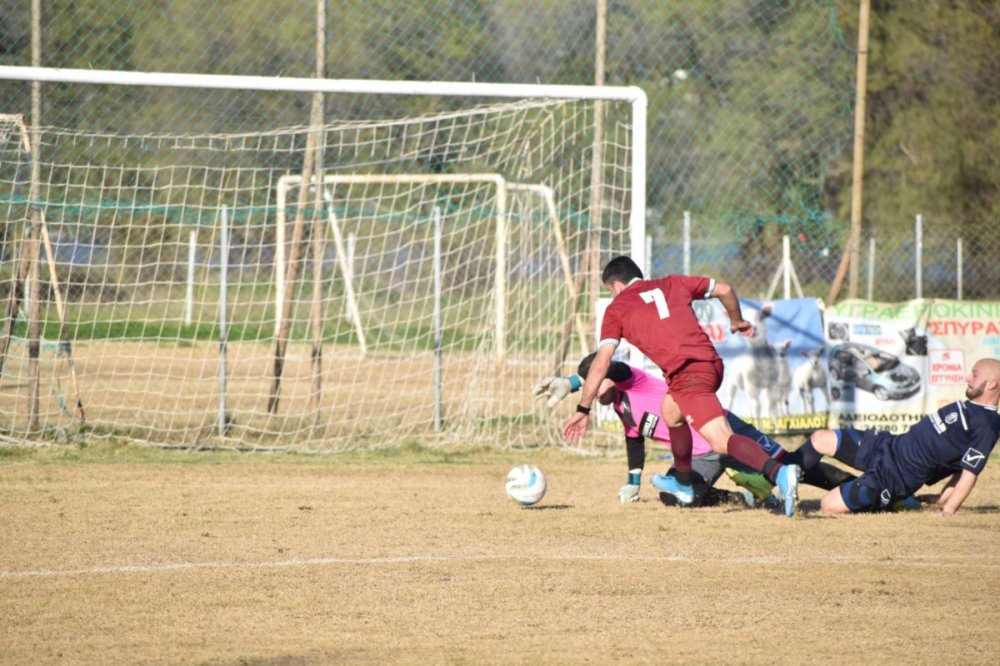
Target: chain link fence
750	102
750	128
724	141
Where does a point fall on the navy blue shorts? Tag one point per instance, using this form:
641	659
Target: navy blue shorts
877	488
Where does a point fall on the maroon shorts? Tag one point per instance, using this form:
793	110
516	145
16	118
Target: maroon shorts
693	388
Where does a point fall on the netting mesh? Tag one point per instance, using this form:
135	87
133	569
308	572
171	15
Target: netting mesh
433	275
750	103
750	124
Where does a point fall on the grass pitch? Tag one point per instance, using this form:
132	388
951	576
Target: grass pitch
117	554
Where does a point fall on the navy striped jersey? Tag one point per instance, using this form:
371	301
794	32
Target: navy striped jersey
960	435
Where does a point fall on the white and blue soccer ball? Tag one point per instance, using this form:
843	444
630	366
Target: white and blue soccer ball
526	485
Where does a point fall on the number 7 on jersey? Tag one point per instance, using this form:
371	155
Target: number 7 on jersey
656	296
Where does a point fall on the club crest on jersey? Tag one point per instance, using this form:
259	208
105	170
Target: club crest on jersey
951	418
973	458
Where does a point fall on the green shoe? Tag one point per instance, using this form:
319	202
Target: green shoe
752	481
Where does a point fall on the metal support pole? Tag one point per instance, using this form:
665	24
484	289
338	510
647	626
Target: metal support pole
918	258
438	330
786	267
958	268
189	297
871	267
223	307
352	243
687	242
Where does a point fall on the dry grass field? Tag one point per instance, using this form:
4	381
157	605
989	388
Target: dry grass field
115	555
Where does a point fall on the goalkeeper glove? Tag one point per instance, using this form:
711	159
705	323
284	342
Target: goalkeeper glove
630	491
556	388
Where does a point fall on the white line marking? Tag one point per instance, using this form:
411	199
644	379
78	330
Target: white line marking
419	559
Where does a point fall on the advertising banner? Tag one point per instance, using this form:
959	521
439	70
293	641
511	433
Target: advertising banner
856	364
892	363
776	378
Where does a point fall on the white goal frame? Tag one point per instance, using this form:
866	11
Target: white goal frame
633	95
287	182
525	278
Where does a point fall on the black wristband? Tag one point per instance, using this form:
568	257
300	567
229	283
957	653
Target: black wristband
582	409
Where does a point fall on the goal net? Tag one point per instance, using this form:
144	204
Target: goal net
359	283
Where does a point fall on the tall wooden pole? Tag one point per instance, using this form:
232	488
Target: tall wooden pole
291	274
597	165
36	221
65	345
852	252
16	295
318	237
588	270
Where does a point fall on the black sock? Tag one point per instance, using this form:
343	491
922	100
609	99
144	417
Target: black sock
635	450
685	478
826	476
806	456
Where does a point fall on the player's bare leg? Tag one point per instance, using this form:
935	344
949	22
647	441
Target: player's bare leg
671	413
833	502
825	442
717	433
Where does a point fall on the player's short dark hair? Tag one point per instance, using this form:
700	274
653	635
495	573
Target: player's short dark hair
621	269
584	368
617	372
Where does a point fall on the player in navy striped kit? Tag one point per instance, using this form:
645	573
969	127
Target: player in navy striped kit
954	441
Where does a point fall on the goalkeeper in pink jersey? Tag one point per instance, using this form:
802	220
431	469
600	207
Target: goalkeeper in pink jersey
636	397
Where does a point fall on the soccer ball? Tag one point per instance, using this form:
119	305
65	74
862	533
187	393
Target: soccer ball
526	485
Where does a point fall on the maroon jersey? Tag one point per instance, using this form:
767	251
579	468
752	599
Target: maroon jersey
656	317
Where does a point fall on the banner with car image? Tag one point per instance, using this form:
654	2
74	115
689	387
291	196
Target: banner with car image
892	363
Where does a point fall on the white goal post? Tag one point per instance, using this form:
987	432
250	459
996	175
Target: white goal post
634	95
501	187
446	245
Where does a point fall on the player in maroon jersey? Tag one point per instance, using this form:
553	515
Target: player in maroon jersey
656	316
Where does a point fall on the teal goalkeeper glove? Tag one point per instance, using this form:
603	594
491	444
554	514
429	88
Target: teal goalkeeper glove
556	388
630	491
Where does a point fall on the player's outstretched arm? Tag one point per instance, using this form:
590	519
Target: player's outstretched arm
953	496
731	302
576	426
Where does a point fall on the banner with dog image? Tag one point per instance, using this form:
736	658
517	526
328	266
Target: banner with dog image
892	363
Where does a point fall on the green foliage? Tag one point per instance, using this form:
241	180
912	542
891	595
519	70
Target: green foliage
750	101
934	113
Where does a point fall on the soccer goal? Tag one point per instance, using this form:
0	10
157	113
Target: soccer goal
524	198
352	283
